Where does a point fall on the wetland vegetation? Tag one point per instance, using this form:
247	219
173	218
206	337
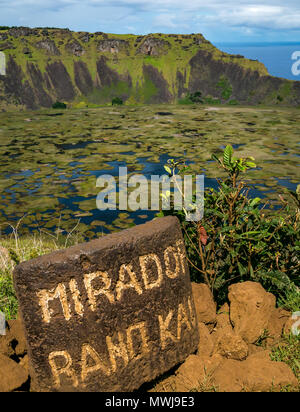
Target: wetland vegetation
50	160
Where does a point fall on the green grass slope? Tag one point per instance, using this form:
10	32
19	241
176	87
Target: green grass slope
86	69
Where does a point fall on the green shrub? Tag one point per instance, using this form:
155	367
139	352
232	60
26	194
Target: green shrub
237	239
196	97
8	300
185	100
192	98
290	300
225	87
117	101
288	351
59	105
211	100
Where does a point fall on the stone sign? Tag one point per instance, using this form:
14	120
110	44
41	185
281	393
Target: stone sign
110	314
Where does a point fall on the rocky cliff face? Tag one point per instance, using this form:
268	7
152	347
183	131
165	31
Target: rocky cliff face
46	65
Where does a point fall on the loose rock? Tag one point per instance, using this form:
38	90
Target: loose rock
261	374
231	346
196	372
204	303
206	342
12	375
250	309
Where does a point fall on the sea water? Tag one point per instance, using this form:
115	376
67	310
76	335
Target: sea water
277	57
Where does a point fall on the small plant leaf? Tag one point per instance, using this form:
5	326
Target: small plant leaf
227	155
168	170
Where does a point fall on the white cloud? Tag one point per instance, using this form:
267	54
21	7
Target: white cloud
165	21
215	16
260	16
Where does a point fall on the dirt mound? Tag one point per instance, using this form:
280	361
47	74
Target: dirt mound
14	374
234	349
230	355
250	309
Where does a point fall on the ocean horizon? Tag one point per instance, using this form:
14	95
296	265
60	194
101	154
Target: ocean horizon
277	56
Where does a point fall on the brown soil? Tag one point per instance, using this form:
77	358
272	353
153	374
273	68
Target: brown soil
228	358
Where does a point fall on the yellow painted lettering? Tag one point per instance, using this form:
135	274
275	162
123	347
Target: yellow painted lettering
117	351
123	285
144	263
66	369
46	296
104	290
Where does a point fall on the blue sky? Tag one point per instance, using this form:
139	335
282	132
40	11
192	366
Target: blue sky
235	21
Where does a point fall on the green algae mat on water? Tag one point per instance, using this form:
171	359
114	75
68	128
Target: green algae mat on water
50	159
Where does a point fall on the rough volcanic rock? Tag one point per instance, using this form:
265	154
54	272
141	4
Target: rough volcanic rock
83	78
61	81
112	45
106	75
204	303
47	81
17	89
37	79
75	48
250	309
119	309
296	92
7	46
110	78
151	74
12	375
181	80
250	83
152	46
102	34
248	86
49	46
3	36
85	37
26	50
138	40
197	41
22	32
